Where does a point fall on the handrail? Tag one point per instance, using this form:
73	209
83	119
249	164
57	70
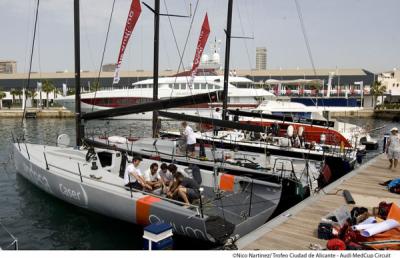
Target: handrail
27	152
45	159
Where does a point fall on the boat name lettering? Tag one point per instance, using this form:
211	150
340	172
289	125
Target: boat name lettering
188	231
70	193
38	178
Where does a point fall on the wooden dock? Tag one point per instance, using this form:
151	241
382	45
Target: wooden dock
296	228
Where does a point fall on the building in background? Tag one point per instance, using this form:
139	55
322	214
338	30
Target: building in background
391	79
108	68
8	66
261	58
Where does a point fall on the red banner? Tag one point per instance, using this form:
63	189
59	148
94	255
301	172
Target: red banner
133	16
205	31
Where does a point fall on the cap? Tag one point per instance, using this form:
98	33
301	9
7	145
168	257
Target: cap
394	129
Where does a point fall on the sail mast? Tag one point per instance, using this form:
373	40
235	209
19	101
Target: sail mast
79	131
226	67
155	63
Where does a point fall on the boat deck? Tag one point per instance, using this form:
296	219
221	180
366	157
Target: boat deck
296	229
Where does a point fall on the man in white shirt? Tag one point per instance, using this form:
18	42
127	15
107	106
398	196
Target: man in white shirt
166	177
133	176
152	177
190	138
216	115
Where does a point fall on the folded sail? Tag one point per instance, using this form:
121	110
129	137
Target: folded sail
205	31
133	16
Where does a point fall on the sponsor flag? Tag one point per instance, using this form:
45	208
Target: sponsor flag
133	16
205	31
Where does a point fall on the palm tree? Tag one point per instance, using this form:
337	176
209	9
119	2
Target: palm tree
18	92
47	87
2	96
377	89
95	86
56	91
14	93
70	91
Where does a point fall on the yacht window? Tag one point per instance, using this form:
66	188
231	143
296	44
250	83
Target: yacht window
176	86
217	87
183	86
210	87
196	86
203	86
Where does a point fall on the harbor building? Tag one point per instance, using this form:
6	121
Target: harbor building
341	78
391	79
8	66
261	58
288	83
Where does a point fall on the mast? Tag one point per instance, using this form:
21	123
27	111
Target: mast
78	128
155	63
226	67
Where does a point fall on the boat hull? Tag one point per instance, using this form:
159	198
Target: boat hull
115	201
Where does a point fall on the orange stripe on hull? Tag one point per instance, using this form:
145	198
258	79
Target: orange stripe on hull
227	182
143	206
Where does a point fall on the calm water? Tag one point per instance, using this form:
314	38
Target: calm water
41	221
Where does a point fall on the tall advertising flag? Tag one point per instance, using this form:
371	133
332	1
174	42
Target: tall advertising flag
205	31
133	16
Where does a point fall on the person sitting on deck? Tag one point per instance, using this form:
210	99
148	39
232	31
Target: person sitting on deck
133	176
275	129
184	188
152	177
174	169
166	177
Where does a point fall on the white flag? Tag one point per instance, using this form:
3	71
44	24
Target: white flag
116	76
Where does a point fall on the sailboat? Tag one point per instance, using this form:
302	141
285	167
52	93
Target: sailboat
90	178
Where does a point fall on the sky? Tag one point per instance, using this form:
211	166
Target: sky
341	33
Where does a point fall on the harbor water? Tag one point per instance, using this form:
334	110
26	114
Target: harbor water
40	221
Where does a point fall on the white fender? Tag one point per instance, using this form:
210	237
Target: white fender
63	140
290	130
300	131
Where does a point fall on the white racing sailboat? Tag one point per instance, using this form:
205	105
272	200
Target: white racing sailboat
228	206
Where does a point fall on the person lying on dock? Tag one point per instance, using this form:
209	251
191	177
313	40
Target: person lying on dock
151	176
185	189
133	176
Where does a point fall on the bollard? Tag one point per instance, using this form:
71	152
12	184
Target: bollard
158	237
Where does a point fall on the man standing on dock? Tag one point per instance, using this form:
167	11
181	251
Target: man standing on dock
190	138
393	148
